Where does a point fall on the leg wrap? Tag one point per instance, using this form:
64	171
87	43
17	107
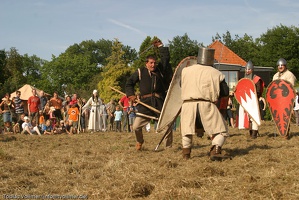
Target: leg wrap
187	141
218	140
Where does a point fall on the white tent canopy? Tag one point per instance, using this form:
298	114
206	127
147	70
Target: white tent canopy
26	92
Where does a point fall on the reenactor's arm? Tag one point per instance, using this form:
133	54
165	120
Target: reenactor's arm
224	90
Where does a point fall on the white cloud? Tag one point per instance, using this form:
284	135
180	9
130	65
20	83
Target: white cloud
127	27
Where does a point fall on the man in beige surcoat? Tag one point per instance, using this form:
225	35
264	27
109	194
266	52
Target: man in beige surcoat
285	74
202	85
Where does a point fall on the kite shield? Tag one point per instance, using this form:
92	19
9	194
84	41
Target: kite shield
173	102
246	96
280	97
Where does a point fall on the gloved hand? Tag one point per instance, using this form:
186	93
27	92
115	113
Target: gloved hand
157	43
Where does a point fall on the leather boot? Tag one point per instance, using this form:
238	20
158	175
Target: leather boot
254	134
186	153
138	146
250	133
215	153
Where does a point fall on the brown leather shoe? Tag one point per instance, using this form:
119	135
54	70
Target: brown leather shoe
186	153
138	146
250	133
254	134
215	153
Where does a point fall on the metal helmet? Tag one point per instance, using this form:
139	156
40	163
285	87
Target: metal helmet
249	65
281	61
205	56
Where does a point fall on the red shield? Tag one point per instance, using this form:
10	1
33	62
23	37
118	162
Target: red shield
280	97
245	94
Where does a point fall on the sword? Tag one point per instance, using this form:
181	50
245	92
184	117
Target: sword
138	101
164	136
148	48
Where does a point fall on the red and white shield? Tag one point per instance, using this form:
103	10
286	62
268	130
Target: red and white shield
245	94
280	97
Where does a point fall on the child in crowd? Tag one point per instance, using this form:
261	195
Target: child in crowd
59	128
41	120
117	118
132	114
69	127
52	116
47	128
73	113
29	128
17	128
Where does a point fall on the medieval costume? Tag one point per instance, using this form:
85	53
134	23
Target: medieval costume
285	74
259	85
202	85
153	83
93	104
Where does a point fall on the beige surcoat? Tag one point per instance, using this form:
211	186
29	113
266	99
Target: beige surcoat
287	75
200	90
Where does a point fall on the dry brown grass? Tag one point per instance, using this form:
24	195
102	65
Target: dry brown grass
107	166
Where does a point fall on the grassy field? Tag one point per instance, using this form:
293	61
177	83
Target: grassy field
107	166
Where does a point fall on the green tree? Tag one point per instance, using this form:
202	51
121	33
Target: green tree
68	73
115	73
246	47
79	68
2	68
13	70
182	47
31	70
280	42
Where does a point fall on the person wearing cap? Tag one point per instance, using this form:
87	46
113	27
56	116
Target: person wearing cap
259	85
201	87
28	128
154	79
93	104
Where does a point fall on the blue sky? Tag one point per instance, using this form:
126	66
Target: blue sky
46	27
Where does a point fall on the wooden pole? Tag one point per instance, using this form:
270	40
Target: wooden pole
138	101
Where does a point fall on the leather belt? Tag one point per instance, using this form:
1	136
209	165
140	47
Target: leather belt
195	100
151	95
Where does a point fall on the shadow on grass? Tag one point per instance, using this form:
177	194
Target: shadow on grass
241	152
6	138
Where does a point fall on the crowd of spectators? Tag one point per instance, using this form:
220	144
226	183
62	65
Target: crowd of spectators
40	115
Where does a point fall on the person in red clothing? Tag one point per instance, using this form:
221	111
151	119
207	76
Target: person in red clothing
33	106
124	103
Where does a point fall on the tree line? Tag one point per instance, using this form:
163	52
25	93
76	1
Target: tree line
99	64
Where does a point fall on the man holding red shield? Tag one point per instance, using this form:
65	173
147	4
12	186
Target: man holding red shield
259	85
